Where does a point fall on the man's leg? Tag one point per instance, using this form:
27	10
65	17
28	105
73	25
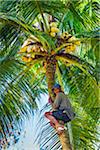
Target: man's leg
51	118
55	123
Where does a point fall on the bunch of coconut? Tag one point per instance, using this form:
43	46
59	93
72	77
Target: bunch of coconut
71	42
53	29
30	49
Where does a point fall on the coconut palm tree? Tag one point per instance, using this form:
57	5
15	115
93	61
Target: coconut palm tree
39	45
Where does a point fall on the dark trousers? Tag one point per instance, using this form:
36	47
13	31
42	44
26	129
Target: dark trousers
59	115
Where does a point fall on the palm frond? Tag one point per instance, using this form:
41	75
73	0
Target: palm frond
45	136
18	90
77	18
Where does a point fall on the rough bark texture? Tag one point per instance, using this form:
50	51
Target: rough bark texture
50	74
64	139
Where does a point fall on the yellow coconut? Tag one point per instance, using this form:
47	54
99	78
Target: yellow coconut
30	59
70	48
53	24
64	35
32	55
39	49
52	52
52	34
25	59
72	39
54	29
24	49
78	42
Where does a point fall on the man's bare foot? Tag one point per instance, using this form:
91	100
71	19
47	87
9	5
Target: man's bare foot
59	128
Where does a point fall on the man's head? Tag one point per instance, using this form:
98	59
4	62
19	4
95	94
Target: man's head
56	88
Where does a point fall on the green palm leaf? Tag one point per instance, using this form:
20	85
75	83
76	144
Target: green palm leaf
45	136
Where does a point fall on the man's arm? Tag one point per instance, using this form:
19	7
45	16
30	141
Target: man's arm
57	102
54	106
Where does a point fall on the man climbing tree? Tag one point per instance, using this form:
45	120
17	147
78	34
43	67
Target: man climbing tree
62	110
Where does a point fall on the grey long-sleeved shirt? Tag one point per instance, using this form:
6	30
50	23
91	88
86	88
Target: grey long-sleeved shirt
62	102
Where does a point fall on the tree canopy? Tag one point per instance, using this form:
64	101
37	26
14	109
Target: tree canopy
22	82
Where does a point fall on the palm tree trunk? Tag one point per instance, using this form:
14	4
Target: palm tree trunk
64	139
50	75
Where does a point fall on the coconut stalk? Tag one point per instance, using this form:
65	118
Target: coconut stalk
50	75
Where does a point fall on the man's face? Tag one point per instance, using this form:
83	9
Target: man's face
56	90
